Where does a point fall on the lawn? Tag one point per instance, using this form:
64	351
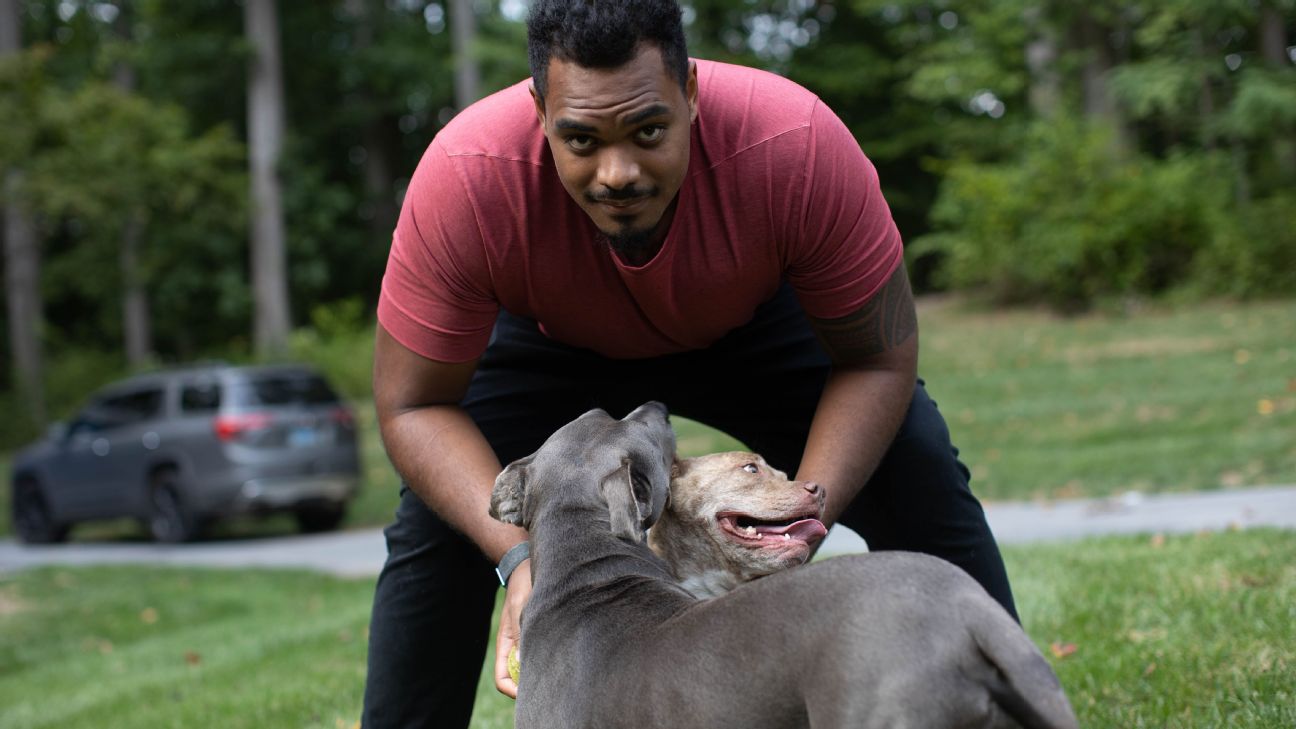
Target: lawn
1183	631
1199	396
1196	397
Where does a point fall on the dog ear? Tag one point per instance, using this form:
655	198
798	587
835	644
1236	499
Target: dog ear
509	493
623	508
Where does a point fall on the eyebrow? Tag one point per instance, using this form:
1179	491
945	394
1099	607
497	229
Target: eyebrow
571	125
648	113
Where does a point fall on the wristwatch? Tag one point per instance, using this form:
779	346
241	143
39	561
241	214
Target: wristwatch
516	555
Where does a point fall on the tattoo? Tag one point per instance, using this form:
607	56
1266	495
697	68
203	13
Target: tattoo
882	323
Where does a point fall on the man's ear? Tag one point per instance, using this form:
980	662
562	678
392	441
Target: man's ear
538	100
691	91
509	493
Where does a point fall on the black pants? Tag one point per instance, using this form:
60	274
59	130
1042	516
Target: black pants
433	603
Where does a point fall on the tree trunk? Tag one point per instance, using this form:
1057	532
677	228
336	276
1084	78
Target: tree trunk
1099	103
379	180
1044	94
136	318
463	36
1273	49
1273	37
22	264
266	124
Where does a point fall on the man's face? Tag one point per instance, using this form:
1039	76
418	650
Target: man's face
620	140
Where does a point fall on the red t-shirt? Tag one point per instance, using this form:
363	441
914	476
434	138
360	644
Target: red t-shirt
776	189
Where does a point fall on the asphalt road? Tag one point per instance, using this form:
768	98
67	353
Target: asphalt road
361	553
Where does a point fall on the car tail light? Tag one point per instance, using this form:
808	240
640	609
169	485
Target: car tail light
344	417
229	427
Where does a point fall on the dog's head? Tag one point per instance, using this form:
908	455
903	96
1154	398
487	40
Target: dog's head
622	464
736	512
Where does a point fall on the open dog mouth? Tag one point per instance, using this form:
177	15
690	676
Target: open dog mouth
755	531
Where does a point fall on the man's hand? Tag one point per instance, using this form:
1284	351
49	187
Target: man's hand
510	626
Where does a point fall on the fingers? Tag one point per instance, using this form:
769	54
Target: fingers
510	627
503	681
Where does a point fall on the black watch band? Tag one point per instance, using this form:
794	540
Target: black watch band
516	555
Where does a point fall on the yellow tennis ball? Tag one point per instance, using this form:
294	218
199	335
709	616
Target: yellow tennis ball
514	666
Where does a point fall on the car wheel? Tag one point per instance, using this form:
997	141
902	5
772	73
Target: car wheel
170	520
320	518
32	519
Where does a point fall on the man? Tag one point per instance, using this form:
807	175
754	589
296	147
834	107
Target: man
633	225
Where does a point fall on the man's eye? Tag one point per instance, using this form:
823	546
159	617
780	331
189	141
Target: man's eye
750	468
581	142
651	133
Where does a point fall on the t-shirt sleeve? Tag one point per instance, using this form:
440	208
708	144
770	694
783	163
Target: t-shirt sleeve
847	245
437	298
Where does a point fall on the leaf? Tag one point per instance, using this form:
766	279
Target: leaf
1062	650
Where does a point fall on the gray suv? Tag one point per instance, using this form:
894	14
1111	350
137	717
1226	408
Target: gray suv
178	449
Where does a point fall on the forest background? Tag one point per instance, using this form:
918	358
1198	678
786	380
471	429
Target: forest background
202	179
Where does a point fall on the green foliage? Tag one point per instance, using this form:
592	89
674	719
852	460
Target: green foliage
1071	221
339	342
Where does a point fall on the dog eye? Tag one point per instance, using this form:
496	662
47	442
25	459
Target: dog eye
751	468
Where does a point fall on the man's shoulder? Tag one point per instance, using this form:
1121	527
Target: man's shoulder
502	126
742	107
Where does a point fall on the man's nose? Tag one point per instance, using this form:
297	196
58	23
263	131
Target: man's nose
618	168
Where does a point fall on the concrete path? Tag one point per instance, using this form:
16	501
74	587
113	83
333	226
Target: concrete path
361	553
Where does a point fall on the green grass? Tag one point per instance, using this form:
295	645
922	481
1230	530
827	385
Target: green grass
1182	631
1198	397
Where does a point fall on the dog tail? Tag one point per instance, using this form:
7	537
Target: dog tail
1026	687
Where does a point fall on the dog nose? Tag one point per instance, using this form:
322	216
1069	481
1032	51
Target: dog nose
811	486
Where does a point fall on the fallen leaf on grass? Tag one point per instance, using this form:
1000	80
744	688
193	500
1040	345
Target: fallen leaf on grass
1158	540
148	616
192	658
1062	650
1150	668
1265	407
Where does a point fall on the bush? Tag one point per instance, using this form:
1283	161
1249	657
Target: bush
340	343
70	376
1072	221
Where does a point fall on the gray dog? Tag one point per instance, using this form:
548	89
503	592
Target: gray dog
609	640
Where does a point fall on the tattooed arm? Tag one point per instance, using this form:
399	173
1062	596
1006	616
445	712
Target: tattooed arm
874	352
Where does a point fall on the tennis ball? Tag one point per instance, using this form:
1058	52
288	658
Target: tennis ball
514	666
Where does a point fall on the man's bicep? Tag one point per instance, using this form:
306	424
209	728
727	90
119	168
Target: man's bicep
404	380
884	329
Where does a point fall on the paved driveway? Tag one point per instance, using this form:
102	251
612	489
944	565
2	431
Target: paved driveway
361	553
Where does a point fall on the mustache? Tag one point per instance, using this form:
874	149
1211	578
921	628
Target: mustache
623	194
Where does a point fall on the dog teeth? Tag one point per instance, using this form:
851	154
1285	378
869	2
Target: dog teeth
786	536
751	531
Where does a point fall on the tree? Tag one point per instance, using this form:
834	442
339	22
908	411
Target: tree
265	150
136	319
22	251
463	38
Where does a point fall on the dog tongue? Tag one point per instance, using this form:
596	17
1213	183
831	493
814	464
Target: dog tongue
806	530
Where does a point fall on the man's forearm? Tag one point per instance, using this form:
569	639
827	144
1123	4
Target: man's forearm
444	458
856	420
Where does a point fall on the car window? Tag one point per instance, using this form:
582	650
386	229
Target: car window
128	408
280	389
200	396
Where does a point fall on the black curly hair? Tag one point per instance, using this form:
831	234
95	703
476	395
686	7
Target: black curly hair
603	34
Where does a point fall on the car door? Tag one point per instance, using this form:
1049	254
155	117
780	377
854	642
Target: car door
131	438
76	471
